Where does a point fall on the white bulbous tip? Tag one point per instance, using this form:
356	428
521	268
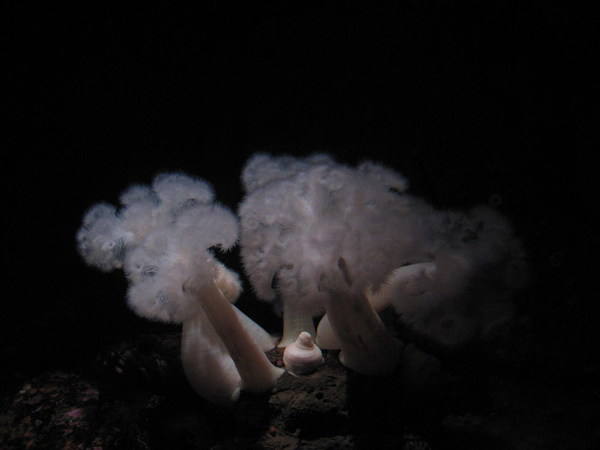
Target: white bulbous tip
302	356
305	340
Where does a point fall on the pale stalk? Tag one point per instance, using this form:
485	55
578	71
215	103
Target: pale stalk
366	346
295	321
257	372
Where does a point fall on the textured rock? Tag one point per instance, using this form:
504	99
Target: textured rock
134	395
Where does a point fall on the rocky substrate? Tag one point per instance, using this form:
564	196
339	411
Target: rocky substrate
135	396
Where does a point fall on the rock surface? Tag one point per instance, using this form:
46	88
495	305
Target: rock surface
135	396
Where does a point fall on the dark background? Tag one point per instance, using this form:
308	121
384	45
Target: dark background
475	102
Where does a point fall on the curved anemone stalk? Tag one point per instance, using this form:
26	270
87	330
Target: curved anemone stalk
326	337
295	321
256	371
206	362
366	346
264	340
406	281
230	286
